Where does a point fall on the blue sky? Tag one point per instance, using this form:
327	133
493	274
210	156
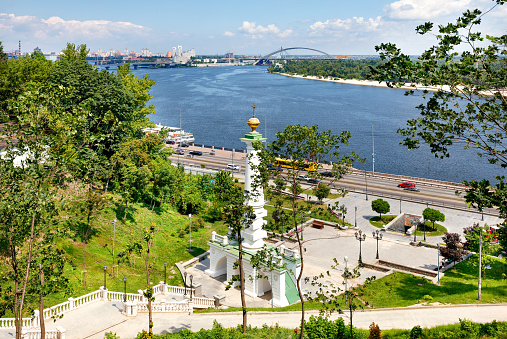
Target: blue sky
243	27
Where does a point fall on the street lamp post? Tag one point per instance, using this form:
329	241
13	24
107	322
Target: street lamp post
377	235
346	259
373	151
415	223
114	236
190	232
355	216
165	273
185	275
361	237
125	289
105	282
400	204
366	184
438	264
191	286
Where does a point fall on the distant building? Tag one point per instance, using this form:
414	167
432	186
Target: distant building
183	57
52	56
145	52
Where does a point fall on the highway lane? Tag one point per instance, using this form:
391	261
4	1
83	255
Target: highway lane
434	193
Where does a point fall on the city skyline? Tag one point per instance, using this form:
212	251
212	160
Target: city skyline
336	27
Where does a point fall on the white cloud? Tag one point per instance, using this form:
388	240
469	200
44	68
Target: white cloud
355	25
258	32
229	34
427	9
56	30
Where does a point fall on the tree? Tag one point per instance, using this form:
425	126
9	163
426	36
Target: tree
470	104
453	249
302	145
433	215
321	191
30	200
149	239
238	216
473	236
72	53
380	206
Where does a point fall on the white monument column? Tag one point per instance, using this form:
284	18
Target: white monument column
253	236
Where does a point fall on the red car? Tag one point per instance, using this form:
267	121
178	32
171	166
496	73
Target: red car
406	184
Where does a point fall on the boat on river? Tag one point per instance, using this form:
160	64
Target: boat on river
176	135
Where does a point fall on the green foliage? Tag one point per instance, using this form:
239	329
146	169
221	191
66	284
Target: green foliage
111	335
469	107
379	222
380	206
473	234
323	328
433	215
343	69
416	332
321	191
18	76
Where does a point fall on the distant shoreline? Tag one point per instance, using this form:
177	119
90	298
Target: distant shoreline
408	86
365	82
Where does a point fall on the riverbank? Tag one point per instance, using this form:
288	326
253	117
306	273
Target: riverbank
408	86
371	83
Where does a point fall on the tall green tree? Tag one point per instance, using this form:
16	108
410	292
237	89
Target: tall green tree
468	68
238	215
300	144
433	215
34	167
380	206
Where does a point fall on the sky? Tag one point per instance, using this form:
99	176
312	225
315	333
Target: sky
213	27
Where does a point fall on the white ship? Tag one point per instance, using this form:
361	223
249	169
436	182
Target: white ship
176	135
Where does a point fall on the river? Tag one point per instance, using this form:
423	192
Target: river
215	104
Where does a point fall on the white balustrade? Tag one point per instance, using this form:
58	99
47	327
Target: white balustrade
86	299
200	302
291	253
119	296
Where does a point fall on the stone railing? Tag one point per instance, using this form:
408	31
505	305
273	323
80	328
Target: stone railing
200	302
11	322
219	238
59	333
101	294
289	253
165	307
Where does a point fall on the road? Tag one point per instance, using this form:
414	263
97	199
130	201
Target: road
432	192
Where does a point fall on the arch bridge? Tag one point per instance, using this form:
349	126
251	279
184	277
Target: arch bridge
265	58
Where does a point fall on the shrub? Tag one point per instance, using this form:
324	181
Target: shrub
320	327
416	332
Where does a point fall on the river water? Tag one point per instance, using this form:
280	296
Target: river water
215	104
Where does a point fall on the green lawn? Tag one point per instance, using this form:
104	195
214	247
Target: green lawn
458	286
171	246
431	231
386	219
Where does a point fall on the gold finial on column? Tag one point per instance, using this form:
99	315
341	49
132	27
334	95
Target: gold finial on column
253	122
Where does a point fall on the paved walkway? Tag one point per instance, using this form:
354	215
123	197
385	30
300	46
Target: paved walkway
93	321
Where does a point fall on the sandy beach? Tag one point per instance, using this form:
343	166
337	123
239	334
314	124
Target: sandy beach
408	86
367	83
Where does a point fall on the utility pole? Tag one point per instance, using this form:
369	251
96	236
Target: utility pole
480	263
373	152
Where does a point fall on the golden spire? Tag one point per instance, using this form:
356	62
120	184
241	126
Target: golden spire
253	122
